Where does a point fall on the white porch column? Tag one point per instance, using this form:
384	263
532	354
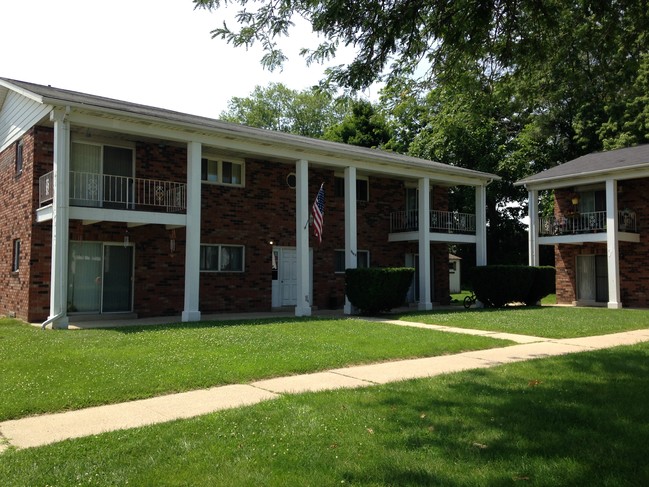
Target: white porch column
612	245
351	250
60	221
303	307
481	225
193	232
533	199
425	302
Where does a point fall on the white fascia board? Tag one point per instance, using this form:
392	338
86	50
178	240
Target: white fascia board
633	172
280	149
44	214
434	237
127	216
22	91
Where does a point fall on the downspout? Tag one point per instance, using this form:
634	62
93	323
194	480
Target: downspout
50	320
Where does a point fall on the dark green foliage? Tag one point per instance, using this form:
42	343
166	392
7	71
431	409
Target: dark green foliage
375	289
497	285
363	126
543	284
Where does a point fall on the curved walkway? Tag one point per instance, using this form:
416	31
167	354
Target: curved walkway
50	428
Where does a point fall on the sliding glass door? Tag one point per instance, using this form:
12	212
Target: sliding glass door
100	277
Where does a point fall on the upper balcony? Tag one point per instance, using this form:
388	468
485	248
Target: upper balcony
98	197
586	227
445	226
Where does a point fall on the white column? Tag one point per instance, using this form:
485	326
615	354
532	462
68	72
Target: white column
193	233
303	307
481	225
612	245
425	302
351	250
60	221
533	199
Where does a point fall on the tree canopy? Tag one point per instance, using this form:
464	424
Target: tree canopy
276	107
508	87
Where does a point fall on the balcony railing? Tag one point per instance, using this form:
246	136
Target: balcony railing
118	192
593	222
440	222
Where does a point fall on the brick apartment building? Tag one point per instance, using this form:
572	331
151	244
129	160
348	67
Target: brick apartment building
599	227
111	207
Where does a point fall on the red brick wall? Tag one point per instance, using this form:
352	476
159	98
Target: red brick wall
634	274
25	294
263	210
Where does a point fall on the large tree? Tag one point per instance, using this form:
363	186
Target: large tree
510	87
276	107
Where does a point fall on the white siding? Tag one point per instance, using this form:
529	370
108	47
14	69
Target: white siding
17	115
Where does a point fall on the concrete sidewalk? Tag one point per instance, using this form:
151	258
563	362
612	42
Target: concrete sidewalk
51	428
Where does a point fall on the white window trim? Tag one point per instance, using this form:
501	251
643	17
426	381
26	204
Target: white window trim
219	271
219	175
357	252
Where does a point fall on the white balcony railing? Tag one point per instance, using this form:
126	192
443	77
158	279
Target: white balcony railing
118	192
592	222
440	221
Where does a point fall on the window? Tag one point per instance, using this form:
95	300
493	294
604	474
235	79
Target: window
221	258
362	260
222	172
19	157
592	201
15	265
362	188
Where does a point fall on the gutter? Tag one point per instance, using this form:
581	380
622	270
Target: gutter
50	320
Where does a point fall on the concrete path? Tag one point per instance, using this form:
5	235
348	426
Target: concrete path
51	428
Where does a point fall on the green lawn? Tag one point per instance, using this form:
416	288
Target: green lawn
49	370
577	420
546	321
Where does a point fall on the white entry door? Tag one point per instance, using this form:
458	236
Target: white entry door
288	277
285	271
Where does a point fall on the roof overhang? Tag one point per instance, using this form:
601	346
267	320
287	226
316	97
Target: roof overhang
107	114
584	178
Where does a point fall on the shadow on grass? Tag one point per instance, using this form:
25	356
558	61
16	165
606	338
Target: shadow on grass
575	420
198	325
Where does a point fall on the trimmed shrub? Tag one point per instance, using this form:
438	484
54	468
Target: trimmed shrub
376	289
497	285
544	284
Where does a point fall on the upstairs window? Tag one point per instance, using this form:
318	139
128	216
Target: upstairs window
226	172
362	260
362	188
19	157
592	201
15	264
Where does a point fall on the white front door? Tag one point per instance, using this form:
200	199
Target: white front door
284	287
288	277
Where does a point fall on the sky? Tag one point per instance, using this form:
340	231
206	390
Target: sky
152	52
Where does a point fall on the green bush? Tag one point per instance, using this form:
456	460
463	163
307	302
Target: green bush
497	285
544	284
377	289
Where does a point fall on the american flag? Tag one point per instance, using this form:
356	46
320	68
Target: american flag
318	213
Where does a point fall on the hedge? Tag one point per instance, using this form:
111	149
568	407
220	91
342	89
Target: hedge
376	289
497	285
